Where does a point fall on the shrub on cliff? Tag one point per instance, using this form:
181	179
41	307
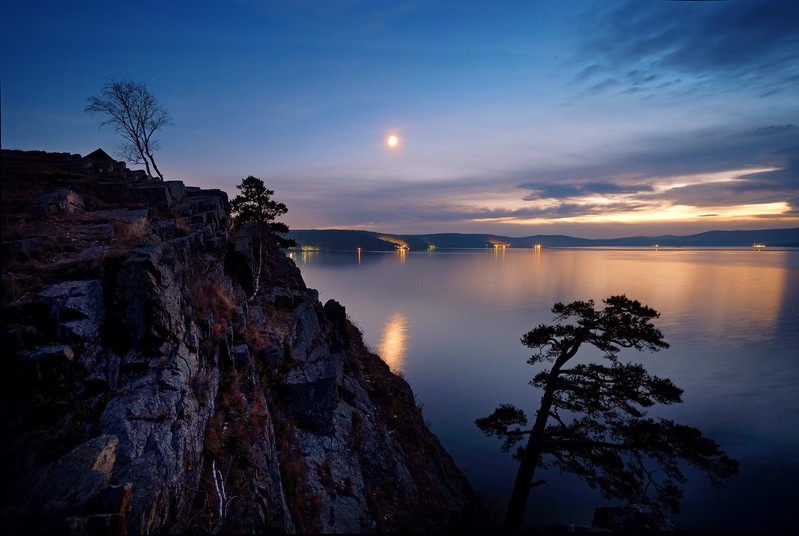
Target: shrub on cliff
255	206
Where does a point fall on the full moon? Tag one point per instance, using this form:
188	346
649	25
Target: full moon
392	141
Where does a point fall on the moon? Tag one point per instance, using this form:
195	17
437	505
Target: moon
392	141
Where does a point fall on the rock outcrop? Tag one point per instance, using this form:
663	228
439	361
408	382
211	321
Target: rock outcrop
144	392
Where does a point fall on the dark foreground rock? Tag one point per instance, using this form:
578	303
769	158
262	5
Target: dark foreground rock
632	518
144	392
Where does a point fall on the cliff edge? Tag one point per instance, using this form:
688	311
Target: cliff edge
144	392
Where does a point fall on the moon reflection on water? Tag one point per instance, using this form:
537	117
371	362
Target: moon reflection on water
394	342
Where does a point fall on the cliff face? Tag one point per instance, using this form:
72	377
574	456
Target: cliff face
143	391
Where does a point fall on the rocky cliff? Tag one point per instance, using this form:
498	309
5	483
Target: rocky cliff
144	391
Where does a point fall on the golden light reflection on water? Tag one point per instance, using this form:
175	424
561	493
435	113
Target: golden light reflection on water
722	293
728	296
303	256
394	342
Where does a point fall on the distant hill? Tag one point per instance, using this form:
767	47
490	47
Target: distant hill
342	240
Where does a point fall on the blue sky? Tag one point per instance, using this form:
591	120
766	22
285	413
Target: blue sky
594	119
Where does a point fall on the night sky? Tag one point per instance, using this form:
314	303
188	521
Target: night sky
595	119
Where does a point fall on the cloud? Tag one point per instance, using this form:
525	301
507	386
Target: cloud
705	45
712	169
718	194
565	210
771	130
549	190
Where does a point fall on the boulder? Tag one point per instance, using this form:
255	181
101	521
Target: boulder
72	482
63	201
77	308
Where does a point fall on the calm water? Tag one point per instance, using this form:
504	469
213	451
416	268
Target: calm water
450	322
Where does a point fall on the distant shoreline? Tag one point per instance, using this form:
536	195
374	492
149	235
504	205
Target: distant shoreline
349	240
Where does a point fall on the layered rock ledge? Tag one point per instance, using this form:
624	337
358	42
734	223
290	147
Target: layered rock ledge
144	392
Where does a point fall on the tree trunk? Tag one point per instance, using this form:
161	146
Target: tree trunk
256	267
532	453
146	165
154	166
521	488
257	260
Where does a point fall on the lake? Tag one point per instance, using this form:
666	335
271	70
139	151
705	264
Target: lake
450	322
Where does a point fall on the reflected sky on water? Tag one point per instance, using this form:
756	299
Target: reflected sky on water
731	317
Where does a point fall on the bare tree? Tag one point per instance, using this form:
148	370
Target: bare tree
137	115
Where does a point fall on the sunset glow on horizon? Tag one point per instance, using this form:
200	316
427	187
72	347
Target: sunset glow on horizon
665	215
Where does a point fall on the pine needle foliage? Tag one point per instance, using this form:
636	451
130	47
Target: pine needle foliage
592	418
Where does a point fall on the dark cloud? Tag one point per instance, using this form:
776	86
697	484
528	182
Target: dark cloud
392	205
589	71
564	210
754	44
604	84
696	153
691	152
566	189
723	194
771	130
